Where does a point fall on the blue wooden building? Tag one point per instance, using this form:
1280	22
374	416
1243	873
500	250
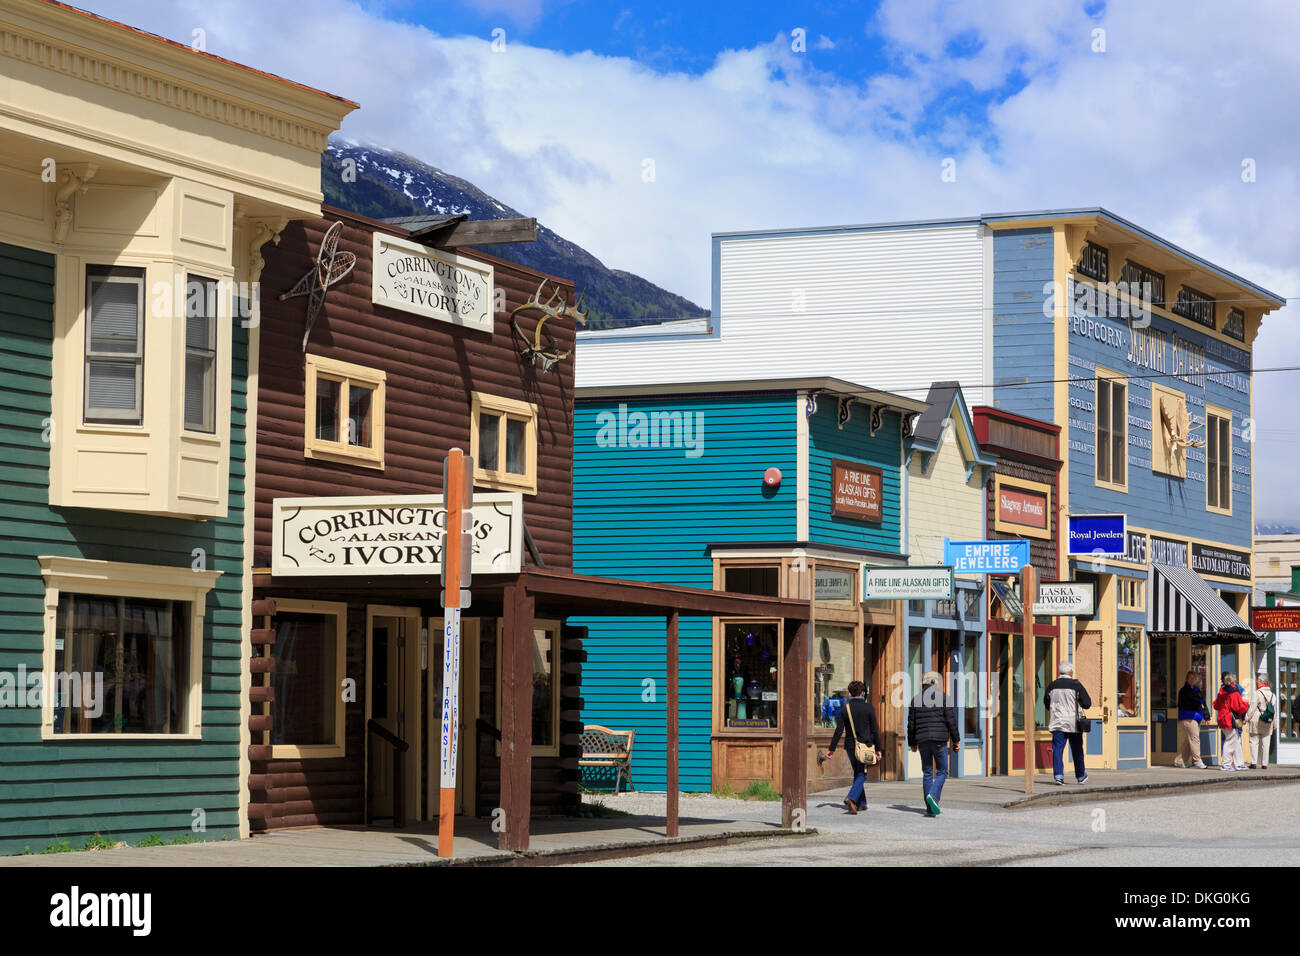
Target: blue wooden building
781	487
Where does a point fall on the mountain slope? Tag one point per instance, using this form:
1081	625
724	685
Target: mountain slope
389	183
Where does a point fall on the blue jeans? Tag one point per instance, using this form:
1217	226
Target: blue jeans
858	792
1059	737
934	768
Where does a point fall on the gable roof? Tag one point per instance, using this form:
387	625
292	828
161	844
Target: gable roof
948	404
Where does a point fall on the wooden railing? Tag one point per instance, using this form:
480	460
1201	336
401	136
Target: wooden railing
400	747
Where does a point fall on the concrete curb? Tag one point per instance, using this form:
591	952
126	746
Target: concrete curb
1082	794
611	851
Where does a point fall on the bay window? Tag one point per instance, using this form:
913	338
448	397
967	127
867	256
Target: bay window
201	354
114	354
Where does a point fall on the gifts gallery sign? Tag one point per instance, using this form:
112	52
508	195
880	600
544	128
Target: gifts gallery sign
857	491
390	534
437	285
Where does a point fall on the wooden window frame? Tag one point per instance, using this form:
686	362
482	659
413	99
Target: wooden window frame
1213	412
509	408
212	297
1141	673
1111	378
539	624
1288	666
720	699
116	579
339	611
345	373
1022	484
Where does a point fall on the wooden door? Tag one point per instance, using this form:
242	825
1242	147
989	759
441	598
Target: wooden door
393	701
1094	667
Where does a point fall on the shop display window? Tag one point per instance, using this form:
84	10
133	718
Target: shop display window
131	661
1043	672
761	581
1164	682
545	689
751	667
832	671
968	693
1128	676
1288	699
306	679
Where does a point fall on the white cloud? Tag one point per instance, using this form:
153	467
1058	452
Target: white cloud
1155	129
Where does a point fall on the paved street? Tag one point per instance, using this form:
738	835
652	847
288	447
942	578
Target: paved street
1258	826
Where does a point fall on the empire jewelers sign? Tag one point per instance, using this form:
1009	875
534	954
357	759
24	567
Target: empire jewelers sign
438	285
1007	556
907	584
857	491
390	534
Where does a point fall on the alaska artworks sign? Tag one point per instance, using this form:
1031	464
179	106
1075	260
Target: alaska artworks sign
857	491
390	534
438	285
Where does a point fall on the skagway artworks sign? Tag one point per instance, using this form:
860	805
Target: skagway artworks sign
439	285
390	534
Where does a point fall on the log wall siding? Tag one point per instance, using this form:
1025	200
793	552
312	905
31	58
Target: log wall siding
432	367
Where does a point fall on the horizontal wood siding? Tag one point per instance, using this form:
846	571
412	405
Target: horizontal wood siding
122	789
650	514
853	442
432	368
1023	344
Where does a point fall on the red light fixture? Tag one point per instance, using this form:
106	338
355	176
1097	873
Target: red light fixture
772	477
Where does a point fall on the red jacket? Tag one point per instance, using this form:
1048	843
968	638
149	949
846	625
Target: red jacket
1227	703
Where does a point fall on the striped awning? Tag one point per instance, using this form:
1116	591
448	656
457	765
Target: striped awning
1181	604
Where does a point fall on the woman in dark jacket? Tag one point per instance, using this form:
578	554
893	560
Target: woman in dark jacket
1191	711
862	728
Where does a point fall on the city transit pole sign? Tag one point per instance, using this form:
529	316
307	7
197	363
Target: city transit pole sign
458	487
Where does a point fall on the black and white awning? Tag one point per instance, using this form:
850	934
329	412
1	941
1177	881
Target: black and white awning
1181	604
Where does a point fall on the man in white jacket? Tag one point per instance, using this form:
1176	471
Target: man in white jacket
1065	699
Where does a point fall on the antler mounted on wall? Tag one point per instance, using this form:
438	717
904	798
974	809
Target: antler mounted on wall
1174	421
541	347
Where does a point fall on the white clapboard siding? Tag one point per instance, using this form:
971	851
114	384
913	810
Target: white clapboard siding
894	308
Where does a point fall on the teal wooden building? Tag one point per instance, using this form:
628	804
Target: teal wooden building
784	487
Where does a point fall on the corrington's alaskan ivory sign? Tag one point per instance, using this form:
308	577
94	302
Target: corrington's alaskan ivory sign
390	534
907	584
439	285
1066	599
857	491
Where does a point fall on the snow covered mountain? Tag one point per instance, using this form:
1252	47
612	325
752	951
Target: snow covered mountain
389	183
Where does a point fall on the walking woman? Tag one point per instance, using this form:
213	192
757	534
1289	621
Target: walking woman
1231	708
1259	720
857	723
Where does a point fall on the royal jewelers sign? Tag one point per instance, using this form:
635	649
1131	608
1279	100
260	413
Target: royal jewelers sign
1066	599
438	285
907	584
857	491
397	534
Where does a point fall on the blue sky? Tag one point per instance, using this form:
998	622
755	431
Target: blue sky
1147	107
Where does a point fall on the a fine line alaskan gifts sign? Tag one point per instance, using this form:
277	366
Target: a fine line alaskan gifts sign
857	491
390	534
438	285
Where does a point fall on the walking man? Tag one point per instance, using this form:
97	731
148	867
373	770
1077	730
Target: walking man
1066	700
931	730
857	724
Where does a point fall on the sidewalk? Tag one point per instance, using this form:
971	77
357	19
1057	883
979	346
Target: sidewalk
1009	792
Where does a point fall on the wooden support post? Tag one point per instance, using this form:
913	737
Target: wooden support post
794	726
1028	592
516	717
673	730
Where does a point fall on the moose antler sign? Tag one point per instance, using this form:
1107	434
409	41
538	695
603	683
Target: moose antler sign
541	347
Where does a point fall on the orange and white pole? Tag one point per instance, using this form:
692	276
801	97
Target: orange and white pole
454	486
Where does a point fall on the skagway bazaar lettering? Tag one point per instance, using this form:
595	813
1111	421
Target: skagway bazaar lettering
856	491
1223	562
389	535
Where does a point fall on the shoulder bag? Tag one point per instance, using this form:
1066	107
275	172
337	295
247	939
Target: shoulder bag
866	753
1082	724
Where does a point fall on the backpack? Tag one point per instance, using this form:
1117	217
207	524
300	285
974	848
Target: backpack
1266	714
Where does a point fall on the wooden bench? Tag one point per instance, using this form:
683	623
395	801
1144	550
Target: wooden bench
607	753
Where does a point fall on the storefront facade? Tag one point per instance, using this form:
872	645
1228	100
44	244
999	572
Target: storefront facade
1152	392
127	313
948	472
1022	502
783	489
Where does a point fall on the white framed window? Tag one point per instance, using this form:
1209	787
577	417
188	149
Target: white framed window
344	418
201	354
114	369
546	687
503	442
123	653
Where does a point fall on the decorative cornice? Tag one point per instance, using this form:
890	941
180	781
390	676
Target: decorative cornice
158	87
262	231
73	182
